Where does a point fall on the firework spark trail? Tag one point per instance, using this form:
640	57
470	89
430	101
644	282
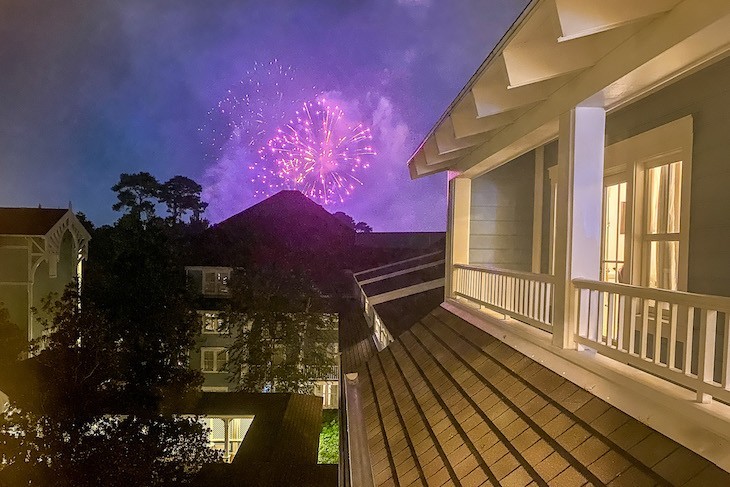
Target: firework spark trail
319	154
248	115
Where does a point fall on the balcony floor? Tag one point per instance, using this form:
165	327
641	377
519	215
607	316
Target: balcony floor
448	402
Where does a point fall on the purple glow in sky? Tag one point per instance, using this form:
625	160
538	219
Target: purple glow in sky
93	88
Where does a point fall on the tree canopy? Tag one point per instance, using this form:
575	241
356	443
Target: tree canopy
135	194
72	425
140	193
283	337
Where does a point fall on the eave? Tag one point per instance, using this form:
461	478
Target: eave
562	53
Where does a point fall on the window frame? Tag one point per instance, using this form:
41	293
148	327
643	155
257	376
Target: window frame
216	365
630	159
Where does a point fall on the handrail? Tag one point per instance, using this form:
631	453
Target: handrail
718	303
548	278
671	334
524	296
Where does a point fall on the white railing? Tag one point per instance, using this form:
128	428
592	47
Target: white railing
381	334
521	295
681	337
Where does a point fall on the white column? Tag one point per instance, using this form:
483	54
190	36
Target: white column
457	233
537	209
578	216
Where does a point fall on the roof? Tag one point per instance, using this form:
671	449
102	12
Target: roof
400	240
280	447
557	55
405	291
400	314
29	221
356	339
447	403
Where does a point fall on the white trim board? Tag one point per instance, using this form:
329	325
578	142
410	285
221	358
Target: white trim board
406	291
400	273
396	263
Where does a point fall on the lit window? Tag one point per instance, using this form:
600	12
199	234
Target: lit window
661	231
213	359
212	322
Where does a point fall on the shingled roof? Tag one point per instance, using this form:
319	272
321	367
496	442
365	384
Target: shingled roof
29	221
448	404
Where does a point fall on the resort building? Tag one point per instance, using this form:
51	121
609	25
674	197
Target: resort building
42	250
584	336
211	352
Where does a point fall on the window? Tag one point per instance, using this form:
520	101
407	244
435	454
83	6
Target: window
212	322
646	208
213	359
613	255
662	215
227	434
216	281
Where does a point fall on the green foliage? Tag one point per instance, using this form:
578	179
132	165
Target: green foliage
79	422
329	438
282	335
135	277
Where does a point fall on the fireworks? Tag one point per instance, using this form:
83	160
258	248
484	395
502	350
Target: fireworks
319	154
249	115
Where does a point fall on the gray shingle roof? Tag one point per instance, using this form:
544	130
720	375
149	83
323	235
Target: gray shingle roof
29	221
448	404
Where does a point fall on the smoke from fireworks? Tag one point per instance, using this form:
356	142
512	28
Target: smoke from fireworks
249	115
319	154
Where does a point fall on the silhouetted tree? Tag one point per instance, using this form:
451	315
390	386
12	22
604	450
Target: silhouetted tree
182	195
282	334
74	427
362	227
349	222
136	193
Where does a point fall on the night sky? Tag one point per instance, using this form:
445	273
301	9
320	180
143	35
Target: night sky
93	88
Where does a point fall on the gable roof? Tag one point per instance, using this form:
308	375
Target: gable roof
448	403
29	221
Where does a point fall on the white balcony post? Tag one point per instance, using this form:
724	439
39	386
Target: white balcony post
578	216
457	235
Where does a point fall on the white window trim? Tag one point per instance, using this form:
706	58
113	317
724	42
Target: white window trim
216	350
666	143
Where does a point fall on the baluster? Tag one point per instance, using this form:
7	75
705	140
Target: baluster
644	329
593	309
689	338
726	354
549	302
672	355
609	325
658	333
580	310
706	359
620	321
633	308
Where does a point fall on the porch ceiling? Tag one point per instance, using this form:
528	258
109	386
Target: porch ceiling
561	53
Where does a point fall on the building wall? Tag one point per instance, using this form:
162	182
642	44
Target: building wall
14	278
706	96
501	215
16	293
